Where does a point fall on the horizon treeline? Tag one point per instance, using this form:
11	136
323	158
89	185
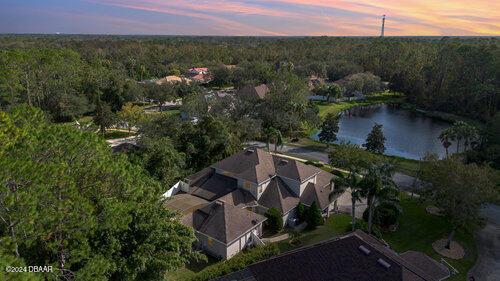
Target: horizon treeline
456	75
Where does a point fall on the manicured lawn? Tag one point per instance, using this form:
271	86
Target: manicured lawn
325	107
172	112
406	166
334	226
418	230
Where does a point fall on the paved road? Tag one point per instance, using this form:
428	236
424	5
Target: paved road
405	182
487	267
115	142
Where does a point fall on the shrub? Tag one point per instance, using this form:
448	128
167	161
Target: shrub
362	225
313	216
274	220
237	262
301	212
384	215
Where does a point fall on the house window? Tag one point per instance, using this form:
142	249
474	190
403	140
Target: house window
247	185
210	241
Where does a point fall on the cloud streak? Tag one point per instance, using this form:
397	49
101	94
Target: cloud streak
279	17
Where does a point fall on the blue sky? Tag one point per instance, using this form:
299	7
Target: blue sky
256	17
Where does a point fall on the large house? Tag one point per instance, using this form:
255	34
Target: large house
354	256
239	189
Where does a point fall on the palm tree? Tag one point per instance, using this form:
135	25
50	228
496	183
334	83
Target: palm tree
278	139
273	134
378	187
342	183
268	133
445	137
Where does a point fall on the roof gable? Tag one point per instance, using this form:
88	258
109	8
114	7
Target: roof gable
225	222
278	196
253	164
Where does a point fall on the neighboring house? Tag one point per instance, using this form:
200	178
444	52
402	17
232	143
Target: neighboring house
171	79
254	92
355	256
198	70
199	75
255	180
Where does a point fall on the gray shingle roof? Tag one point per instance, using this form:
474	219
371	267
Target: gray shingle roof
294	169
224	222
337	259
251	92
319	191
211	185
277	195
253	164
239	198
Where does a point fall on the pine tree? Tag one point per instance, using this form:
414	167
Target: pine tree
375	140
329	128
314	217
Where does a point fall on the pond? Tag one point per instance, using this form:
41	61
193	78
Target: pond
408	134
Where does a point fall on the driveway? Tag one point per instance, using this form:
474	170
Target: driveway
487	267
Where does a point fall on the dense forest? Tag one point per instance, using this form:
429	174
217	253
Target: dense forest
63	74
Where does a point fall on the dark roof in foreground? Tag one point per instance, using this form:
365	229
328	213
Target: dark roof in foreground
224	222
435	269
355	256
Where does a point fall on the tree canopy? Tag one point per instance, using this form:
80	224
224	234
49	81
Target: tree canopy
67	201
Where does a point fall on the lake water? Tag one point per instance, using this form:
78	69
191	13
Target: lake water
408	134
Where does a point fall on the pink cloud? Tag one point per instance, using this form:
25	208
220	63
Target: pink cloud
225	26
330	17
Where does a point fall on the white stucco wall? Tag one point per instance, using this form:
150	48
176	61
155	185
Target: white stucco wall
211	246
218	249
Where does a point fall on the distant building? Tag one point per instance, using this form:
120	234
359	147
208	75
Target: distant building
172	79
198	70
199	75
253	92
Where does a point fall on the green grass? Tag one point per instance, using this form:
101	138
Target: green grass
334	226
418	230
336	108
189	271
406	166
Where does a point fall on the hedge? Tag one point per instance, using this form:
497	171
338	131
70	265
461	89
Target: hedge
237	262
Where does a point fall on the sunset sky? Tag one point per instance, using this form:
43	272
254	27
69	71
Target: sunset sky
255	17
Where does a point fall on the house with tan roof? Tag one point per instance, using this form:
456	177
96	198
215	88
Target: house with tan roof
172	79
247	184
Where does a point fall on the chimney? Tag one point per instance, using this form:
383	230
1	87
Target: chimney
332	186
